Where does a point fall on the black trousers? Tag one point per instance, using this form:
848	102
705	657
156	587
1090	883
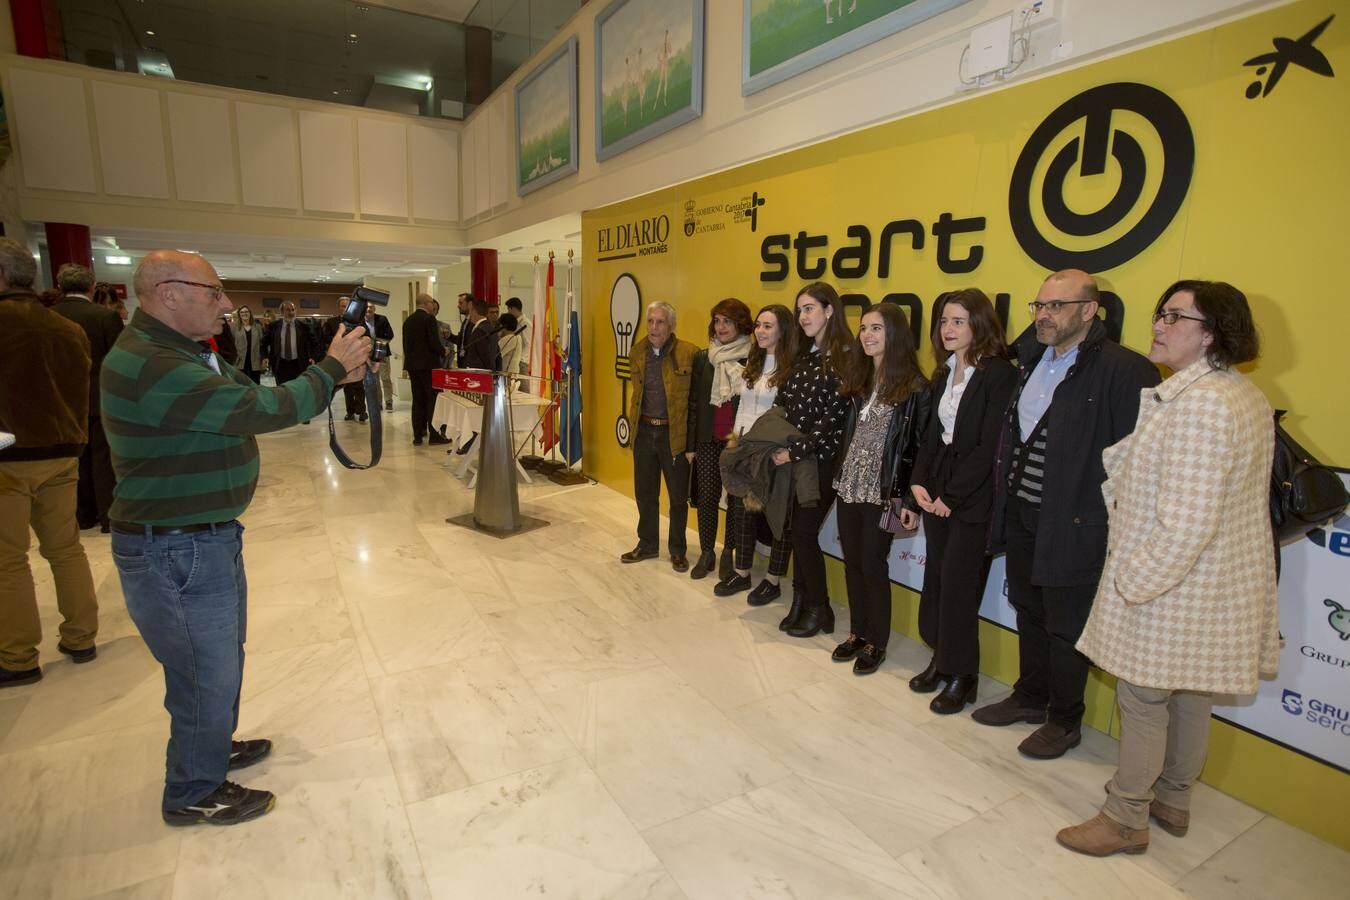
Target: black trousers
743	530
354	397
652	461
1049	623
867	570
708	482
94	493
289	369
809	572
423	401
953	583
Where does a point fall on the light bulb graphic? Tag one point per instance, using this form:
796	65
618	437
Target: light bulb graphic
625	307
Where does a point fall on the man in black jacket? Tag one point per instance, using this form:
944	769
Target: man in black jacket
480	349
102	326
422	352
1078	393
290	346
378	327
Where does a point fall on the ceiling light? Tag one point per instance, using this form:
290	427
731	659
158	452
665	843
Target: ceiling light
117	260
149	32
351	34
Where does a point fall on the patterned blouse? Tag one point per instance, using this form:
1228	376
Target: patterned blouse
859	478
813	405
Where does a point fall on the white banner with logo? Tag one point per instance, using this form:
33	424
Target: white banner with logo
1307	707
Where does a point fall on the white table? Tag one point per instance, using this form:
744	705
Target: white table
462	417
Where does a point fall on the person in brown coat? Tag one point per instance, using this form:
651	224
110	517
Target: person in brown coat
42	431
662	368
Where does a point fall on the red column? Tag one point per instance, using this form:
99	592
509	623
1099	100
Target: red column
68	243
483	275
37	28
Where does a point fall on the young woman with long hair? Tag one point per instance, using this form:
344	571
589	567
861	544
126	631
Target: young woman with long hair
714	394
248	343
813	405
953	484
887	414
772	355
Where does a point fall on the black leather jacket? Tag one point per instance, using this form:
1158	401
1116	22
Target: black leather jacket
902	441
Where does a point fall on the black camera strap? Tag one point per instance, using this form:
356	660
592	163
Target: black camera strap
372	388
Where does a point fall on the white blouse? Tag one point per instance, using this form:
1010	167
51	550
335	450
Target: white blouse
951	401
756	399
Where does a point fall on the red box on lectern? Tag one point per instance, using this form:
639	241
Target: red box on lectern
461	380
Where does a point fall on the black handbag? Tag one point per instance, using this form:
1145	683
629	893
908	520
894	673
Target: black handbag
1304	494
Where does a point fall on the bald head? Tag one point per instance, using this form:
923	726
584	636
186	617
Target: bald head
183	291
1073	284
1065	308
427	302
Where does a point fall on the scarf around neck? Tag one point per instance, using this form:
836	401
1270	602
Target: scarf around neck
728	362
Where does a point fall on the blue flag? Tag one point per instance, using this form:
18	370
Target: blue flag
571	404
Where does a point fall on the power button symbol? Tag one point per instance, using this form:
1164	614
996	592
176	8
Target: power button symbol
1090	154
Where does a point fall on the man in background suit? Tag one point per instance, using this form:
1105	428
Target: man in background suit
422	352
480	347
102	326
378	327
289	346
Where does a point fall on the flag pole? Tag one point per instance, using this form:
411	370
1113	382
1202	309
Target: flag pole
568	475
551	465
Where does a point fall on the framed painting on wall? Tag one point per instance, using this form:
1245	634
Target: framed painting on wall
546	121
783	38
649	71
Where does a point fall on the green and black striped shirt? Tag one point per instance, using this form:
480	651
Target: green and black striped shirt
182	436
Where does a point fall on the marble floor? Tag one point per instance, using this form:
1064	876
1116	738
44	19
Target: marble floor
459	716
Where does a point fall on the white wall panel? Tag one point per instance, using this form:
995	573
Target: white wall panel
435	173
51	125
382	154
469	169
131	140
267	155
499	151
327	162
203	153
482	161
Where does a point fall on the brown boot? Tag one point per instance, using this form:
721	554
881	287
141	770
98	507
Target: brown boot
1103	836
1175	822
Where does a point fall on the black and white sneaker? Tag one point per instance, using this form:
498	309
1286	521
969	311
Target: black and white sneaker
228	804
246	753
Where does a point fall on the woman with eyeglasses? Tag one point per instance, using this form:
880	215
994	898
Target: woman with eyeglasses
248	343
1186	606
887	413
714	393
772	355
953	484
813	405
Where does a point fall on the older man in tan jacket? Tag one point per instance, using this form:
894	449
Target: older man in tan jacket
662	368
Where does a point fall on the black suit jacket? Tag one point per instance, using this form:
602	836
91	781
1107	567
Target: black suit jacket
962	474
422	349
102	326
383	330
304	342
481	350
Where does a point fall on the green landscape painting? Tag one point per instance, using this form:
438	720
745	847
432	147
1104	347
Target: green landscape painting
647	55
546	120
783	29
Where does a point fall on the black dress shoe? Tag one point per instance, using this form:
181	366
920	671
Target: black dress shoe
679	562
929	680
638	554
869	660
794	611
362	417
706	560
848	649
767	592
13	678
733	585
954	697
725	565
349	417
812	621
88	654
417	442
433	439
105	527
86	524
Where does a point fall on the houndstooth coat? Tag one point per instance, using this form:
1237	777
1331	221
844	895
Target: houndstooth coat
1187	598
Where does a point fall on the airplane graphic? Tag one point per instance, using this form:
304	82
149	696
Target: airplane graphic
1301	53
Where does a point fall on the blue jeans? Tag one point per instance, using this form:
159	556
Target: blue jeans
188	597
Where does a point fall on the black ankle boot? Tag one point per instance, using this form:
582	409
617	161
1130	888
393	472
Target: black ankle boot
725	569
706	560
794	611
812	621
928	680
954	697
